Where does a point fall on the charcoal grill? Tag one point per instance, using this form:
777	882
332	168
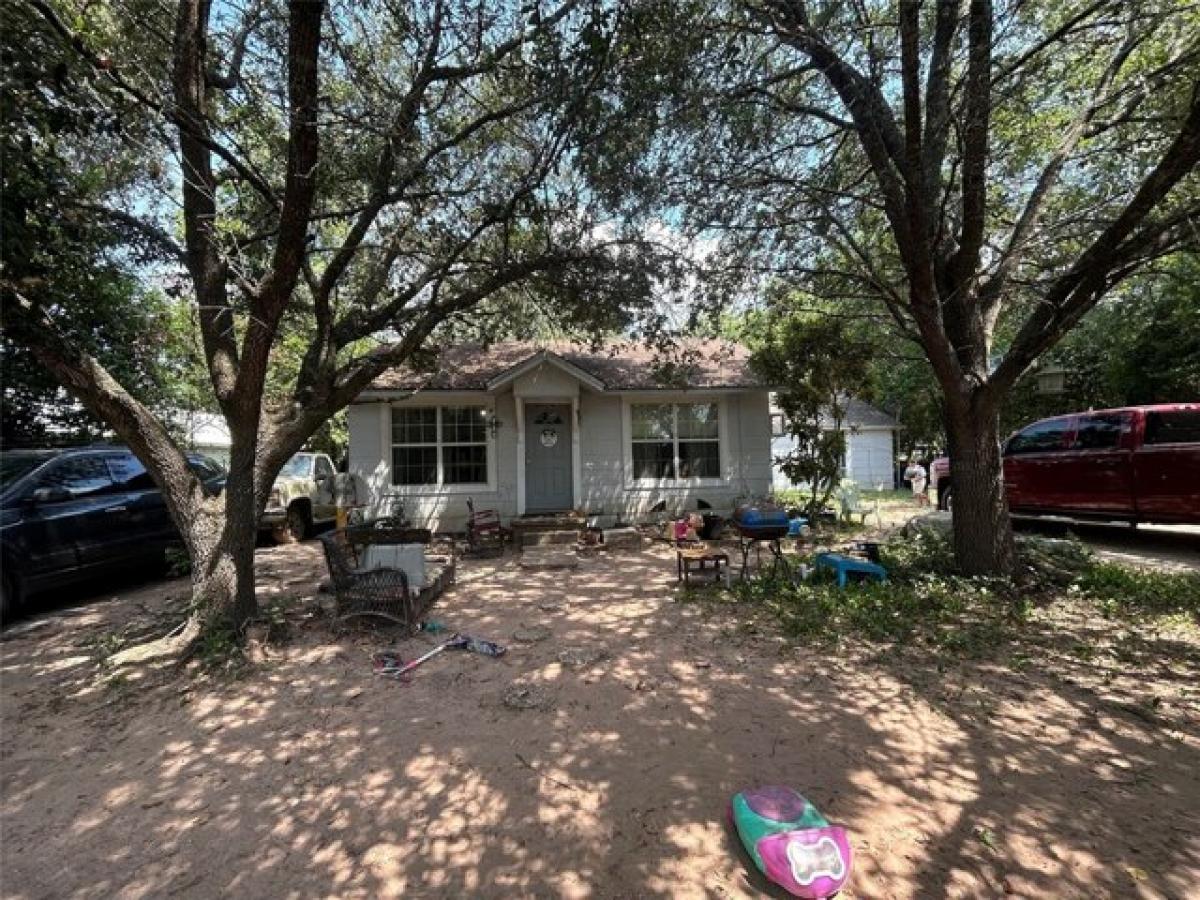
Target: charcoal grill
757	526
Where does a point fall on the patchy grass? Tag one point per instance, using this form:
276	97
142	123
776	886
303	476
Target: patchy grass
889	495
103	645
178	562
1119	591
926	600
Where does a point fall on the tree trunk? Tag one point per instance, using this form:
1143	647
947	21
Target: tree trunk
983	537
223	574
221	544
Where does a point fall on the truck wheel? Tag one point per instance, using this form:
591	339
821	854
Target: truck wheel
946	498
10	597
295	527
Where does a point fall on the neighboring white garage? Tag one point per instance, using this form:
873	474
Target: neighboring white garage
870	446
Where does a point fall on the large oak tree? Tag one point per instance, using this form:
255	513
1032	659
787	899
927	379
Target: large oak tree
985	171
354	176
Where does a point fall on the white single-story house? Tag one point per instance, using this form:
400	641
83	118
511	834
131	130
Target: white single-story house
870	445
616	433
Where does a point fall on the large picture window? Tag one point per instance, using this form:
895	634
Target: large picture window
439	445
675	441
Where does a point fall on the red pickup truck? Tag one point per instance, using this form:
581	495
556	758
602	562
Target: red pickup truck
1137	464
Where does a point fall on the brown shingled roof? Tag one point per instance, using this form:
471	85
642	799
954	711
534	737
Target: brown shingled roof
625	365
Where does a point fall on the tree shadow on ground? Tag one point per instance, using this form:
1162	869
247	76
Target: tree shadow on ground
310	777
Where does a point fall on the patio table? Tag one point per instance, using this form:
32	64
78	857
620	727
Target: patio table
700	560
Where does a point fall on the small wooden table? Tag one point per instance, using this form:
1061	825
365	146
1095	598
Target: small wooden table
700	561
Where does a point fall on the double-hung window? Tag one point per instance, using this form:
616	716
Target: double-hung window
439	445
675	441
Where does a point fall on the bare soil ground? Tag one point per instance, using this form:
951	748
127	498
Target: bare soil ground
1065	764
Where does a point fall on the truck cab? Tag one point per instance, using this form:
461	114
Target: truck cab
301	498
1135	464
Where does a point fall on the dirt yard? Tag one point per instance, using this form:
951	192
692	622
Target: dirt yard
1040	771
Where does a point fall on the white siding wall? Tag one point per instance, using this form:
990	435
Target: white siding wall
605	490
370	459
869	458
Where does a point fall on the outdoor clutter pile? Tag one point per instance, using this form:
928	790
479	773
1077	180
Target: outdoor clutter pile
389	664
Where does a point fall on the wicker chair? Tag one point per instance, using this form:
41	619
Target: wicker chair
382	593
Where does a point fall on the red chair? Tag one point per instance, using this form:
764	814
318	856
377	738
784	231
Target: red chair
485	534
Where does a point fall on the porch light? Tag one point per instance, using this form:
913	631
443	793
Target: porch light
492	422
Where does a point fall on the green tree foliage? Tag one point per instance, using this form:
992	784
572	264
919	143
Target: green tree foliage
820	366
1140	345
63	150
333	190
983	173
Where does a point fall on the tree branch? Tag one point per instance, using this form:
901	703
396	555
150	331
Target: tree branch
1077	290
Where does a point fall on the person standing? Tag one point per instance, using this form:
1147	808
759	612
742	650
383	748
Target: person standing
918	477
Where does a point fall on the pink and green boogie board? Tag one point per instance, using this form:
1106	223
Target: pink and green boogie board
791	842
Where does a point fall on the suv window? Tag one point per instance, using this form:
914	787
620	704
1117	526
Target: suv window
1181	427
324	467
83	476
129	473
1101	432
205	468
1044	437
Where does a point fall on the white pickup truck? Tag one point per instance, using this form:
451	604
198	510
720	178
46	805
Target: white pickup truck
301	497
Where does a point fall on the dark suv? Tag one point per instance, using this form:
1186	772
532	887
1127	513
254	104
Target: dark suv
65	515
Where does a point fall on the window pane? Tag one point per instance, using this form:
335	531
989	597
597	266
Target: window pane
698	420
1100	432
1173	428
465	465
652	421
82	476
414	465
463	425
699	459
129	473
1042	438
414	426
654	460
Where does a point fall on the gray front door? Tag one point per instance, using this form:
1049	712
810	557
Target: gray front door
547	457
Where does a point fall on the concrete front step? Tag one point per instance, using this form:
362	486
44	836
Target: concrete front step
530	524
543	538
549	557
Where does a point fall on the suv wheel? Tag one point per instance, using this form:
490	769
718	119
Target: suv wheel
295	528
10	598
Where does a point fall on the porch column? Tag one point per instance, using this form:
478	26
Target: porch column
520	426
576	456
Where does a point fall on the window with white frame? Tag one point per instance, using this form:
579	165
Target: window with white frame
439	445
675	441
